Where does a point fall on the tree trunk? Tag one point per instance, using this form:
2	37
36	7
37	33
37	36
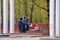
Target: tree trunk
32	8
25	8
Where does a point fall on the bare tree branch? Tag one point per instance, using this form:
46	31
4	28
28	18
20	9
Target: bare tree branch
41	7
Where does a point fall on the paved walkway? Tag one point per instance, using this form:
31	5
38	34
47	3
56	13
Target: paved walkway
29	38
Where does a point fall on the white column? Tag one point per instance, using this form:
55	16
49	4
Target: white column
0	16
0	11
51	21
12	18
5	16
57	17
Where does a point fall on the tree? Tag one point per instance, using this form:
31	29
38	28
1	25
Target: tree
32	8
25	6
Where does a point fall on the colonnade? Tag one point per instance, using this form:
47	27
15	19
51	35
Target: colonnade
5	16
51	17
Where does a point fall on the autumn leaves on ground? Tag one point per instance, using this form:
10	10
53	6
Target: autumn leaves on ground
44	26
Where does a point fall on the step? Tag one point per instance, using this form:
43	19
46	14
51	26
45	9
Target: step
29	38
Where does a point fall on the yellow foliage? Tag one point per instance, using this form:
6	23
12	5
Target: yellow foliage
40	13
